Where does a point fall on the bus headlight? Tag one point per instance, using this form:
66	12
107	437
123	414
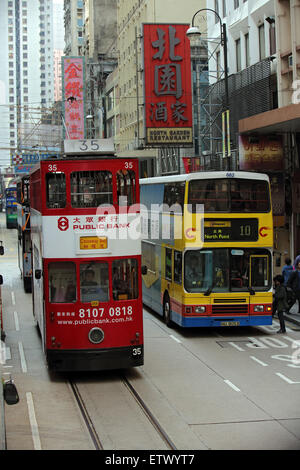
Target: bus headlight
200	309
96	335
259	308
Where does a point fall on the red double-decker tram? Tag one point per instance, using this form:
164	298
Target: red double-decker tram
86	252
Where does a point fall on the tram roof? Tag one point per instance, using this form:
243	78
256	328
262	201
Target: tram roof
205	175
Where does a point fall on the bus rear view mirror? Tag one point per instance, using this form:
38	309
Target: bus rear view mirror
1	249
1	279
10	393
38	273
144	270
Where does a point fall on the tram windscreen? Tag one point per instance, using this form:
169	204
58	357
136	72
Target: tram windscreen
94	282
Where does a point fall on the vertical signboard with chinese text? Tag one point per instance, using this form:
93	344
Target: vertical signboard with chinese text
73	97
167	80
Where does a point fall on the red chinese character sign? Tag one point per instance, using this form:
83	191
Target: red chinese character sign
73	97
167	79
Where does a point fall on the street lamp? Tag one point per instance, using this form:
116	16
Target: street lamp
194	33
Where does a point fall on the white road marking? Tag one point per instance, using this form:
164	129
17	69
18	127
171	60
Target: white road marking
33	422
23	360
236	346
286	379
259	362
175	339
232	385
13	299
17	325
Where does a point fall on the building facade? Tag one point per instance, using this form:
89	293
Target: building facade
74	20
26	60
284	123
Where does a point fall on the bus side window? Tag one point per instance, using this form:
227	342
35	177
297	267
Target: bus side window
178	267
168	264
56	190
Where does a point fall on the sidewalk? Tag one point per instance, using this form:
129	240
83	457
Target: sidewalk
293	316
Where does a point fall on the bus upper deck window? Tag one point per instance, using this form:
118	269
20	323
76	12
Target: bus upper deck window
126	187
91	188
56	190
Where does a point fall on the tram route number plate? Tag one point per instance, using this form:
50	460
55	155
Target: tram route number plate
230	323
93	243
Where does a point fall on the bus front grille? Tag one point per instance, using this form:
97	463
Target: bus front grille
230	310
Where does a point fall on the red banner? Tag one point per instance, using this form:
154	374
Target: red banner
73	97
167	78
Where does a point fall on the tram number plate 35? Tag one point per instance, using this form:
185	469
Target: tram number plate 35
230	323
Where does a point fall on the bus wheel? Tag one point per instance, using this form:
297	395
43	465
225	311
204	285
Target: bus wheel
167	311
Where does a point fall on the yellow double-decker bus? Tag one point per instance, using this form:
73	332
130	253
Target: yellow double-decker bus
207	243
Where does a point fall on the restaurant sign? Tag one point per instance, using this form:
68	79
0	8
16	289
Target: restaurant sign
167	85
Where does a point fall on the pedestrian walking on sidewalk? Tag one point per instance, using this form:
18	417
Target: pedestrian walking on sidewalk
287	270
294	283
280	301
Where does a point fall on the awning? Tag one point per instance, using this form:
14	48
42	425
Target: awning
277	121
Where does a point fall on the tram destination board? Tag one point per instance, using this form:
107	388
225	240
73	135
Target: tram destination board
230	230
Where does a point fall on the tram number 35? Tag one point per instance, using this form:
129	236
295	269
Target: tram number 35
99	312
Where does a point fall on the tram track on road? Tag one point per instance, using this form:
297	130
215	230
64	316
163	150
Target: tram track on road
91	428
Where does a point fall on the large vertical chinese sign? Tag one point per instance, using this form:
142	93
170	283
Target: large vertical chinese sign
73	97
167	79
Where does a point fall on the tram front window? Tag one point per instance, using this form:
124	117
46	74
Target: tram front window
125	279
94	282
223	270
62	282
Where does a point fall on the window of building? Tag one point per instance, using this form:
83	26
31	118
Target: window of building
247	50
224	8
262	44
238	55
272	33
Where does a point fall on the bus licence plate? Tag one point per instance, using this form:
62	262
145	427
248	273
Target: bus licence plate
230	323
93	243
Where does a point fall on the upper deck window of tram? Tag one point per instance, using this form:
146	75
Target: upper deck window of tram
91	188
126	187
56	190
234	195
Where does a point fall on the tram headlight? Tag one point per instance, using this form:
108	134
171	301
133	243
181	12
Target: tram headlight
96	335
